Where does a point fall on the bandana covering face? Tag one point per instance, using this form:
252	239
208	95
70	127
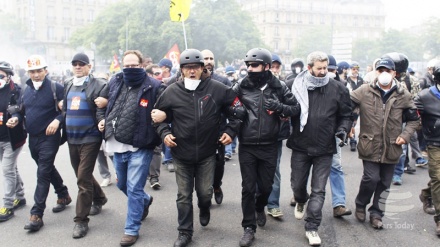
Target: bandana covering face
134	76
302	84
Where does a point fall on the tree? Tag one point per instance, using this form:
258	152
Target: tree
220	26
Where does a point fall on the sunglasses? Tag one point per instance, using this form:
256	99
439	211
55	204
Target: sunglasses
253	65
157	73
80	64
2	76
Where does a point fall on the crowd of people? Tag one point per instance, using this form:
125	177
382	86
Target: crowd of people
194	120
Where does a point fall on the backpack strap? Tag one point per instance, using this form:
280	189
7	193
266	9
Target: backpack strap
53	86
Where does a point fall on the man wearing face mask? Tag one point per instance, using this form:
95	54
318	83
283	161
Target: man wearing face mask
383	107
12	138
325	108
194	105
296	66
242	73
82	115
266	100
130	135
43	123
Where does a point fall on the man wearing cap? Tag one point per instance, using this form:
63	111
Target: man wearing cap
82	115
354	81
209	62
166	65
383	106
43	123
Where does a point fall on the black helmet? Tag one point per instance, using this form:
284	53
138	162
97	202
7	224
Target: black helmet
260	55
7	68
191	56
400	60
297	62
436	73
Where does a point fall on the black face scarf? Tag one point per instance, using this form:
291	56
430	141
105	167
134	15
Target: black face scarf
259	78
134	76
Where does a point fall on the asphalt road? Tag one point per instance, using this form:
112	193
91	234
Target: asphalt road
405	224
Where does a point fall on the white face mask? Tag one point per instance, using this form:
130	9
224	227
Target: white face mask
37	84
191	84
2	83
297	70
243	72
331	75
384	78
79	81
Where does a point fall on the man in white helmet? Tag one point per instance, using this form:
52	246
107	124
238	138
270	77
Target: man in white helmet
43	123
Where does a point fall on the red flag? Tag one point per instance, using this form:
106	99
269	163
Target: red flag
174	55
114	67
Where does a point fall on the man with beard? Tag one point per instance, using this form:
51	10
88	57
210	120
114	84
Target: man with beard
325	109
266	100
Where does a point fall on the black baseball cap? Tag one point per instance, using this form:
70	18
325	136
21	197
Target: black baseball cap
81	57
386	63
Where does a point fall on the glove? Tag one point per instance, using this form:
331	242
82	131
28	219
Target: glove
273	105
342	135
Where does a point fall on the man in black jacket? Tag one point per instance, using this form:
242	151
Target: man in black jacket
428	105
325	112
84	139
193	105
266	100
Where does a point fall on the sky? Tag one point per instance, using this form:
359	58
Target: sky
401	14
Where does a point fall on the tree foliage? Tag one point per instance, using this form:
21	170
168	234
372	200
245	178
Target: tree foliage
219	26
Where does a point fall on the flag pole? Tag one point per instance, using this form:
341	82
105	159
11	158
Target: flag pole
184	32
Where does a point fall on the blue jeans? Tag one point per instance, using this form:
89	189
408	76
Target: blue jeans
398	170
230	147
132	171
190	176
274	197
166	154
337	179
301	163
43	150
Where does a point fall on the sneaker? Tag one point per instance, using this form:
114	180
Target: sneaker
170	167
275	212
182	240
128	240
61	204
248	237
376	222
228	157
428	207
261	218
360	214
155	183
80	230
19	203
300	208
6	214
341	211
106	182
397	180
34	224
313	238
421	162
409	169
292	202
218	195
147	209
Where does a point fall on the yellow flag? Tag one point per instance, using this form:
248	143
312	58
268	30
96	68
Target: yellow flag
179	9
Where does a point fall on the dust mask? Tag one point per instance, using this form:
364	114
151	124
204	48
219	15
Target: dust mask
2	83
37	84
384	78
297	70
191	84
331	75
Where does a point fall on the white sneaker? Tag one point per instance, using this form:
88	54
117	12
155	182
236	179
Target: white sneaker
313	238
106	182
300	208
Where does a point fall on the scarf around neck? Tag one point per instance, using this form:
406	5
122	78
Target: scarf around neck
302	84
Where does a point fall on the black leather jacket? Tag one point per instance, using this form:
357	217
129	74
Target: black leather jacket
428	105
262	126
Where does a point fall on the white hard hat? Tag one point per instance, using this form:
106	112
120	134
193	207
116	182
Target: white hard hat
35	62
432	63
